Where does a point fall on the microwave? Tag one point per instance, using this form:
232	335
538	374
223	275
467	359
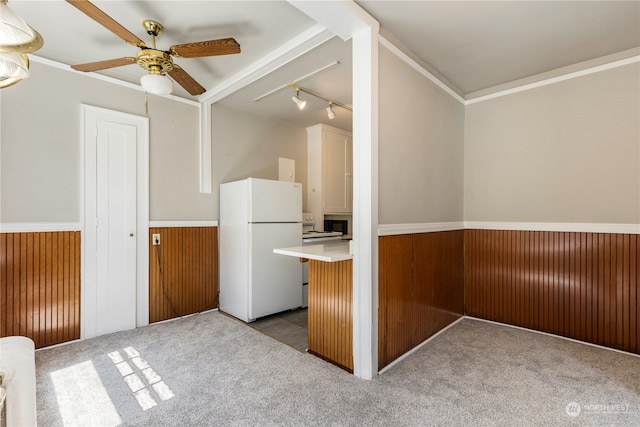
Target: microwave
341	225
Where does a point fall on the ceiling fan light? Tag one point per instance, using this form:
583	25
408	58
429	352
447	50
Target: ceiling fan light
13	68
15	34
156	84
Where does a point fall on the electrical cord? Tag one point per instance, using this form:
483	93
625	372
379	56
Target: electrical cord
164	290
166	295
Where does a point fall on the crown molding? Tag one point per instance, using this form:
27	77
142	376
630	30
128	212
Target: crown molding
533	82
294	48
557	79
419	68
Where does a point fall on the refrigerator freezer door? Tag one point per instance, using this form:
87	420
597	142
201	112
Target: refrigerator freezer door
274	279
234	203
274	201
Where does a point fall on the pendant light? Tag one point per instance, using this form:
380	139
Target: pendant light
15	34
16	40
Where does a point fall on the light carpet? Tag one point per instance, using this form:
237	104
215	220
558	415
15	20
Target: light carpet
209	369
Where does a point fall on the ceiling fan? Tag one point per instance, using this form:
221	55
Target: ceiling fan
156	62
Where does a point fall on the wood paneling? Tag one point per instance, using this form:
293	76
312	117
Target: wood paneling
330	318
183	271
396	294
578	285
40	286
421	289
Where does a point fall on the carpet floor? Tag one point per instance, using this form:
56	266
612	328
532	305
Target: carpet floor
209	369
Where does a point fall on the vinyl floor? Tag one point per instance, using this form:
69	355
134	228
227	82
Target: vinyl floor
288	327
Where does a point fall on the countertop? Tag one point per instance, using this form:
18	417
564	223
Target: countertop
328	252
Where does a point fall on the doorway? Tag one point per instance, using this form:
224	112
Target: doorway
114	290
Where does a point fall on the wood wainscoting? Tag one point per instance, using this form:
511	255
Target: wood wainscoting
574	284
421	289
330	314
183	271
40	286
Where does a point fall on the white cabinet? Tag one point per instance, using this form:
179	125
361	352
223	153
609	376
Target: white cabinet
329	169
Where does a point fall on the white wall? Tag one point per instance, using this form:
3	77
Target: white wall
421	142
565	152
40	153
246	145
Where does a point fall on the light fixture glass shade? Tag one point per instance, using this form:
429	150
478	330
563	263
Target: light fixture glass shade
330	113
13	68
156	84
15	34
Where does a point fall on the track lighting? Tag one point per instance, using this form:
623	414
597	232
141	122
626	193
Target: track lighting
330	112
299	102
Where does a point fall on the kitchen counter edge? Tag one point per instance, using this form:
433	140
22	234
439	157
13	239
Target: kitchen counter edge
327	252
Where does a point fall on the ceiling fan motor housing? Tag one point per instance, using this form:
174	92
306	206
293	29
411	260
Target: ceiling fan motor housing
155	61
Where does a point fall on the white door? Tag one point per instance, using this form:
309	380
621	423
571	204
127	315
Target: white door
111	285
336	177
116	227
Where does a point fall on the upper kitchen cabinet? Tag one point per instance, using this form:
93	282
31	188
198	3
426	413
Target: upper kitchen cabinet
329	168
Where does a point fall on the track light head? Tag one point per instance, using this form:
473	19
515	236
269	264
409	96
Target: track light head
299	102
330	113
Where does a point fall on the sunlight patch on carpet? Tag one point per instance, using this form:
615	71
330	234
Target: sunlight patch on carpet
82	398
133	377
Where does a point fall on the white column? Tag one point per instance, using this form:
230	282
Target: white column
365	203
205	147
349	21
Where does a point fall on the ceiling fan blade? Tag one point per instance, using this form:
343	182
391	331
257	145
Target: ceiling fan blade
106	21
186	81
205	48
103	65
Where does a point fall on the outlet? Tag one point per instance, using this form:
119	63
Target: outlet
155	238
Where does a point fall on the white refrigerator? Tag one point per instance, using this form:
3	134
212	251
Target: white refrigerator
257	216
